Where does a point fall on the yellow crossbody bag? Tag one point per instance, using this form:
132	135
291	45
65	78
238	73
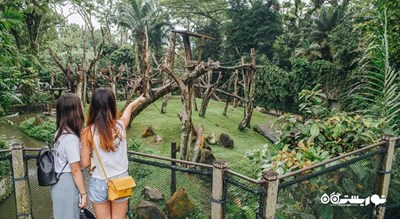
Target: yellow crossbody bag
117	187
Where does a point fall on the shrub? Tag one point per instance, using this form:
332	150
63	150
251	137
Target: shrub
42	130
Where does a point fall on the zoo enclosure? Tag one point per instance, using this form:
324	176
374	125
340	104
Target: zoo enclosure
216	191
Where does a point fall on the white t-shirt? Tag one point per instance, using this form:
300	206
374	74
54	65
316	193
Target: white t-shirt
67	148
114	162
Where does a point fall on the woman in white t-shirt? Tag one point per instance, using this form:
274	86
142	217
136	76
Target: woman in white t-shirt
69	193
108	134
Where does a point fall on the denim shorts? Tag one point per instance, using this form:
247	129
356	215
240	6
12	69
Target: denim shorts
98	190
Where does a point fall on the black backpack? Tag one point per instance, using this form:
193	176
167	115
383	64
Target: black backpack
46	172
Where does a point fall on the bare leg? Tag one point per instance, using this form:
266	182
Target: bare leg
102	210
118	209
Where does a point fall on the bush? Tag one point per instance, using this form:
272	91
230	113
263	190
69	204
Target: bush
323	135
37	127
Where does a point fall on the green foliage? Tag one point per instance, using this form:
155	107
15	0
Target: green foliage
42	130
242	36
278	89
123	55
323	135
378	82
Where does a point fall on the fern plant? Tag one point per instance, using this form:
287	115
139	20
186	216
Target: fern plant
378	82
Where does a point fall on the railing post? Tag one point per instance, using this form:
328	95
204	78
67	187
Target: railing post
384	176
21	187
217	208
173	172
271	193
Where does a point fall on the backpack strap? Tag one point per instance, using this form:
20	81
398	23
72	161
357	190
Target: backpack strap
52	144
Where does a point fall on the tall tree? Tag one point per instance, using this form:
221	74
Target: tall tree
241	34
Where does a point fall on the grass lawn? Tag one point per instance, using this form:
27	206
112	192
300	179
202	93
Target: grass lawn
168	127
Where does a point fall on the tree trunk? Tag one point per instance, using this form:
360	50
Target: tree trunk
249	89
236	88
199	144
146	65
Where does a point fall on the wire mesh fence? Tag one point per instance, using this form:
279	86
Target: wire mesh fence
7	200
299	196
393	201
319	194
41	203
243	198
155	175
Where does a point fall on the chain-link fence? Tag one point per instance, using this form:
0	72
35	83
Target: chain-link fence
41	203
341	189
174	189
7	199
160	178
244	199
393	202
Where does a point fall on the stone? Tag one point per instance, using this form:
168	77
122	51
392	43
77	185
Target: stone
147	210
179	205
148	132
152	194
211	139
207	157
158	139
226	141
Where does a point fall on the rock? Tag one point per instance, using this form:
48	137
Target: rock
148	132
261	109
226	141
207	157
211	139
152	194
158	139
147	210
179	205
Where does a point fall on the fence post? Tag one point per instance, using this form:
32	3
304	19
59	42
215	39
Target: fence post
384	176
217	208
271	193
173	172
21	187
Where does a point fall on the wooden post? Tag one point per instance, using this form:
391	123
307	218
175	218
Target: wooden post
217	209
21	187
271	193
173	172
384	177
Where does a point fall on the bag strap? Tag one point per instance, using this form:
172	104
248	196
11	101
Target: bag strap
62	170
50	145
98	157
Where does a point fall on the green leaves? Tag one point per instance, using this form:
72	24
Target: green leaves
380	83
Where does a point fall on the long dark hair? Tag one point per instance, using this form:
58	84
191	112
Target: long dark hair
103	115
69	115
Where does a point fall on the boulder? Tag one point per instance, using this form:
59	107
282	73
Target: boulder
207	157
147	210
211	139
179	205
226	141
148	132
152	194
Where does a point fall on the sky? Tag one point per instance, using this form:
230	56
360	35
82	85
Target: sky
76	18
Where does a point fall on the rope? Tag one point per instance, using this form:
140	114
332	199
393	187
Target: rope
168	166
242	185
330	169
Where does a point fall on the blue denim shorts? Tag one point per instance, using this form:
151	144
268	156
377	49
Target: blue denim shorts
98	190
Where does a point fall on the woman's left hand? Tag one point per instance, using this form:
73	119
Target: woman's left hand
83	201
